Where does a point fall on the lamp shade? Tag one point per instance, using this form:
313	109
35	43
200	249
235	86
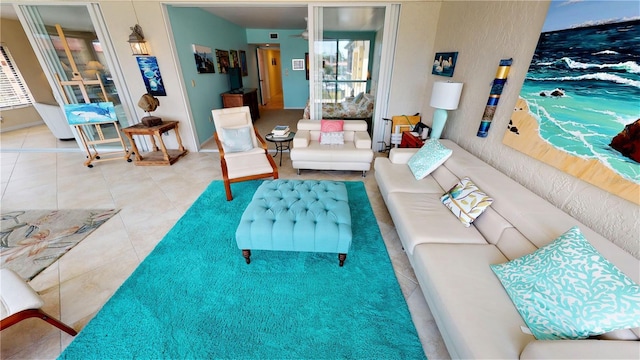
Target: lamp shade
446	95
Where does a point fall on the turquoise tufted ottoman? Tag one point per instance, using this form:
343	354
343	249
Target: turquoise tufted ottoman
297	215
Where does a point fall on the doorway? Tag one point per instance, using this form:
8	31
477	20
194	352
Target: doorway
270	77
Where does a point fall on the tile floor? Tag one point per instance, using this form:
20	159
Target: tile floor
41	173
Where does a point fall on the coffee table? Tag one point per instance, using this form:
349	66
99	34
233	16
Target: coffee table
281	142
297	215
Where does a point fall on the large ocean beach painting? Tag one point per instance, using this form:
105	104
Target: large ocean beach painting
582	89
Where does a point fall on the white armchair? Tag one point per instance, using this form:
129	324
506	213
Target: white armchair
243	152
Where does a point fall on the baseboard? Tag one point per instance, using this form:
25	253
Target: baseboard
20	126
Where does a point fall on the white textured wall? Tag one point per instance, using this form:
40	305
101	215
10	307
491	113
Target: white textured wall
483	32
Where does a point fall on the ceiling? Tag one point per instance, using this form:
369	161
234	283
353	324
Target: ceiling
254	17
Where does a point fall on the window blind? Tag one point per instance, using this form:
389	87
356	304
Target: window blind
13	91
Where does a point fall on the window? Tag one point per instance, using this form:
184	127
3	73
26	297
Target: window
13	91
346	69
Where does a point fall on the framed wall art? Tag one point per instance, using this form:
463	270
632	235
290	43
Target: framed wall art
444	63
223	61
204	59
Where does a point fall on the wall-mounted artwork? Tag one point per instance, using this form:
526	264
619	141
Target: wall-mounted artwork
204	59
444	63
150	71
494	96
91	113
235	62
223	61
581	91
297	64
243	63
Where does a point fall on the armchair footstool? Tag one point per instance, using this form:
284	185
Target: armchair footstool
297	215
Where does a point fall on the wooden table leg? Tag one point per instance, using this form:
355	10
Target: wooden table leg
134	147
165	154
178	138
153	140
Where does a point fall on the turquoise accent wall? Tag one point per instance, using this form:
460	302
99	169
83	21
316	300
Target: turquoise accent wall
194	26
295	86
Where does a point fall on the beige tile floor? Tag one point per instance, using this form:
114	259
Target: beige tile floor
151	200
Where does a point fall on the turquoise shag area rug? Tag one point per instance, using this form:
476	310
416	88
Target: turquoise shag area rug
194	296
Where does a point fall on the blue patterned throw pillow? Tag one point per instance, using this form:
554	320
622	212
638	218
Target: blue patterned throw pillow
237	139
567	290
431	155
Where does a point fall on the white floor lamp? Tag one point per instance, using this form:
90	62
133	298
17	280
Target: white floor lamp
445	96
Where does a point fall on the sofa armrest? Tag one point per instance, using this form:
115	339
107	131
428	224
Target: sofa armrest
362	140
401	155
301	139
581	349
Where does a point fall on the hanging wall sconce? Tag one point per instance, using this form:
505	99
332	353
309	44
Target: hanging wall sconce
137	41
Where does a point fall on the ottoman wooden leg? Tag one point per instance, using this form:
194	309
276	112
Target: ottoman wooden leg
247	255
342	257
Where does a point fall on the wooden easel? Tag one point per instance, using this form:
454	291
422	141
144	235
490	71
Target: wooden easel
88	142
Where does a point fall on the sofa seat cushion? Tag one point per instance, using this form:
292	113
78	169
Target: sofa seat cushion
346	152
398	178
474	313
421	218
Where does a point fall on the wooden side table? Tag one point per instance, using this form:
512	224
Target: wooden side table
410	141
160	156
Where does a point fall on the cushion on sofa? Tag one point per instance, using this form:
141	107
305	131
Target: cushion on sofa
332	131
568	290
430	156
466	201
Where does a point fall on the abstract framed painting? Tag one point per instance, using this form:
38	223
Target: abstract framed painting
444	63
223	61
243	63
578	108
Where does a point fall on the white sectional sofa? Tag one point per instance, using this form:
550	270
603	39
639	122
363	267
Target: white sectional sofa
473	311
355	154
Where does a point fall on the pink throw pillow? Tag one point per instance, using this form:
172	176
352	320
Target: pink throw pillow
330	126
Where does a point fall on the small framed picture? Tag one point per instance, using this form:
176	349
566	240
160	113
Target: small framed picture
444	63
297	64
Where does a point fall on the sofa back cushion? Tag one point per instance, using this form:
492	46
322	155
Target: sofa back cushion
349	127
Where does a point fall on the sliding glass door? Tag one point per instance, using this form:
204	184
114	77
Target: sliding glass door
73	57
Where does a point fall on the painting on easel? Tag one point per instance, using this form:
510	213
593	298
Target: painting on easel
91	113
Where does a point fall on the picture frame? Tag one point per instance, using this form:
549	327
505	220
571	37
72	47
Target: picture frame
91	113
223	61
151	76
204	59
444	63
243	63
306	64
297	64
235	62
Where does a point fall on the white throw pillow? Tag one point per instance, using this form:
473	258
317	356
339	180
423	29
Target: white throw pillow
237	139
568	290
332	138
430	156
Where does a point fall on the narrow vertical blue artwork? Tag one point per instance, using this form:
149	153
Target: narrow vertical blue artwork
494	96
151	75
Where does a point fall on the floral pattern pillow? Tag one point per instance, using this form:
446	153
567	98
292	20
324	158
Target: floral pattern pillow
466	201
